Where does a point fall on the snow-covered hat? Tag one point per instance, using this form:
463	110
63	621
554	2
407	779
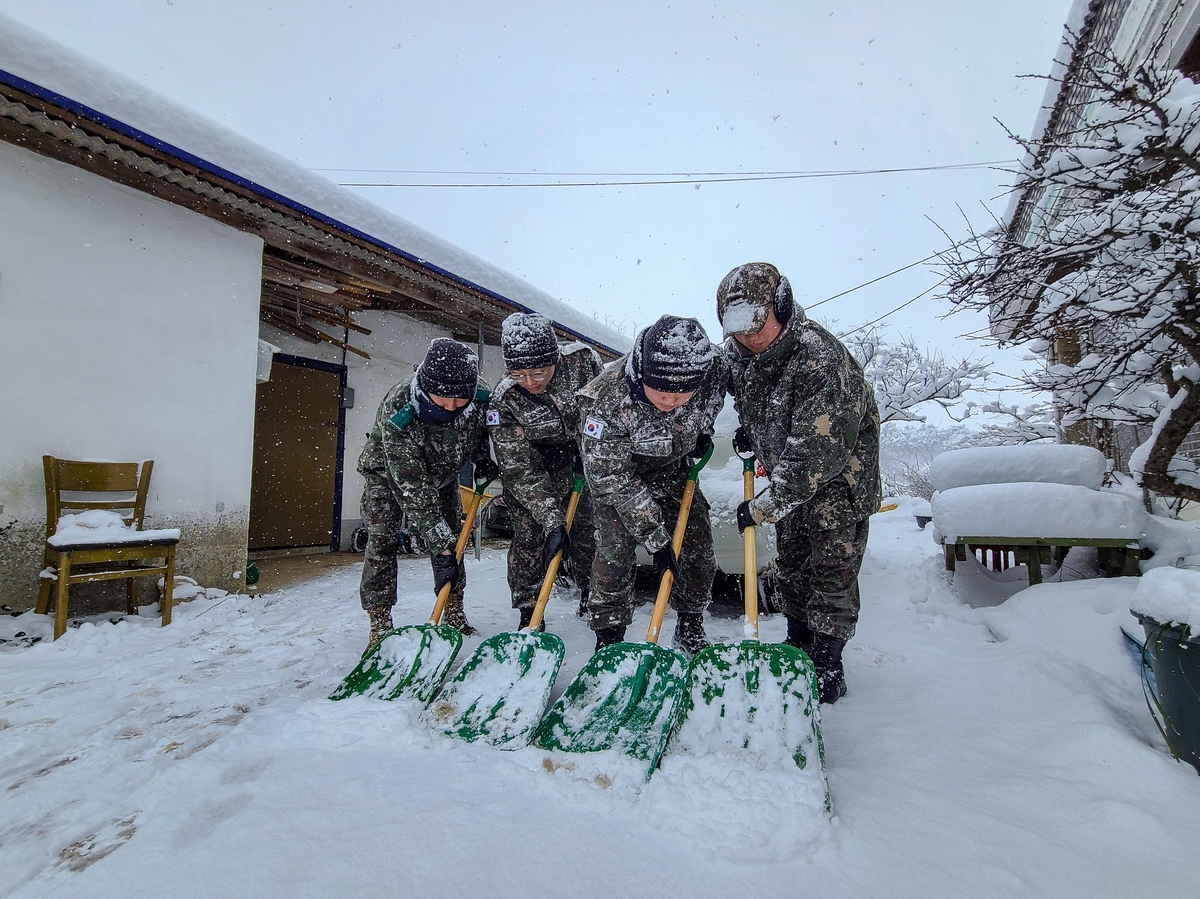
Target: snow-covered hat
746	296
528	341
673	355
449	369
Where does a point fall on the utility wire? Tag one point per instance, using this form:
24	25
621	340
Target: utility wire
876	321
537	174
731	178
903	268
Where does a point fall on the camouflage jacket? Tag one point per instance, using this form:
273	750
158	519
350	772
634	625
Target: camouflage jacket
814	424
418	459
536	438
634	455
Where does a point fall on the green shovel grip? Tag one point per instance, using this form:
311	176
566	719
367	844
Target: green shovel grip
577	483
694	471
748	463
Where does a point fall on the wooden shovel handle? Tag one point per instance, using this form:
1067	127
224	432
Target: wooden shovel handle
539	608
668	579
750	552
459	548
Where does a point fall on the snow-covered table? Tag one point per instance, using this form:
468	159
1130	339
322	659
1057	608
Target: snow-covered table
1034	520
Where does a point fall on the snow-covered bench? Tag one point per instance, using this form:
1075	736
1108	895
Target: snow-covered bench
1033	502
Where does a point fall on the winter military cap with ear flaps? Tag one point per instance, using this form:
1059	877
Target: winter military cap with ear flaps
673	355
528	341
747	295
449	370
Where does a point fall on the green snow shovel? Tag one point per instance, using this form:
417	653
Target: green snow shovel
411	662
500	693
753	698
627	697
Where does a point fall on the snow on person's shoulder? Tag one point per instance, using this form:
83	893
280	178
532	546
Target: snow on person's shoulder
1169	596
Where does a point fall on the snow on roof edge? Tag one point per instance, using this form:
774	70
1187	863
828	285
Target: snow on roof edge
41	67
1058	68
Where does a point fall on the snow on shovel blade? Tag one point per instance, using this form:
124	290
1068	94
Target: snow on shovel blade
757	700
410	662
626	698
500	693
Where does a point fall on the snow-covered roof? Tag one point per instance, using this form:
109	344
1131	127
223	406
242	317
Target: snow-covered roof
33	63
1054	85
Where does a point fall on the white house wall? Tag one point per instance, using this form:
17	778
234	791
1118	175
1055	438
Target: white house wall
396	344
128	330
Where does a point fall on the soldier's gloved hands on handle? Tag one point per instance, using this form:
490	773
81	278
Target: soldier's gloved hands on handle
703	445
741	442
445	571
664	559
486	470
555	540
744	518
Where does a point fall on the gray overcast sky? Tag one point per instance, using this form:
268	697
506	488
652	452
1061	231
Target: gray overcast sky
625	87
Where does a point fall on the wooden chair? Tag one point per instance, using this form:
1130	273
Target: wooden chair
113	486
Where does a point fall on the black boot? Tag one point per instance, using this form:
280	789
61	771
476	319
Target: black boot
827	659
689	632
608	636
583	603
799	634
527	616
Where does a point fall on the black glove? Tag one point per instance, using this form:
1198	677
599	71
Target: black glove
445	571
744	518
741	441
486	470
665	559
703	445
555	540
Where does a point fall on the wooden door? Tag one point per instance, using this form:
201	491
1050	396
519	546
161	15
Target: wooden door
297	436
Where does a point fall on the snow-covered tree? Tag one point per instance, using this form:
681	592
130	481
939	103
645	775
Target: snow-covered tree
1107	281
905	377
1011	425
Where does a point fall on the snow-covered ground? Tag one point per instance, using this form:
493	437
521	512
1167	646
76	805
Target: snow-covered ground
984	750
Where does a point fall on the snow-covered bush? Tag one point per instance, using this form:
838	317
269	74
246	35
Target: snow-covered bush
1107	280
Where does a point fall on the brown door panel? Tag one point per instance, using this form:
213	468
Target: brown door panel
294	482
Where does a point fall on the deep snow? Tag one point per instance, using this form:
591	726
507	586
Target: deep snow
983	750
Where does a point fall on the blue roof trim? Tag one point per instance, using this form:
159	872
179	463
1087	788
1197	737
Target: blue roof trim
120	127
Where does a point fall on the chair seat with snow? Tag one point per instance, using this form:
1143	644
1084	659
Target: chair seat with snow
1031	504
94	516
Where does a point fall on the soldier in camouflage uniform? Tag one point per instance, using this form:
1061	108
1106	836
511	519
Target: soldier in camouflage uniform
427	428
646	416
535	427
810	417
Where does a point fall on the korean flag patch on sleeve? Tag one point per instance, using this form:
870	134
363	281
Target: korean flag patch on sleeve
493	417
593	427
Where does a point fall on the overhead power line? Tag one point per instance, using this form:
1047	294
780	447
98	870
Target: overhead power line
636	179
876	321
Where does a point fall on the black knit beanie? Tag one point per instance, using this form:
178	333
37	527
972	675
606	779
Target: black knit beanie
449	369
675	355
528	341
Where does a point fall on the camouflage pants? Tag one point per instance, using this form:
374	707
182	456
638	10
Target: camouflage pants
818	573
525	571
382	515
611	603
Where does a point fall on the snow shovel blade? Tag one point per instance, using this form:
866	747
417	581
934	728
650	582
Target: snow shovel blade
753	698
410	662
501	691
626	698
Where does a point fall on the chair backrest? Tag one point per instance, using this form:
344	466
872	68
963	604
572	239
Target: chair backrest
115	486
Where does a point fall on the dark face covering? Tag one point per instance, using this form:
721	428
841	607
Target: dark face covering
431	413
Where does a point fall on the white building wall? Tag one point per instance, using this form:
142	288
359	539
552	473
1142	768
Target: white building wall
128	330
396	344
